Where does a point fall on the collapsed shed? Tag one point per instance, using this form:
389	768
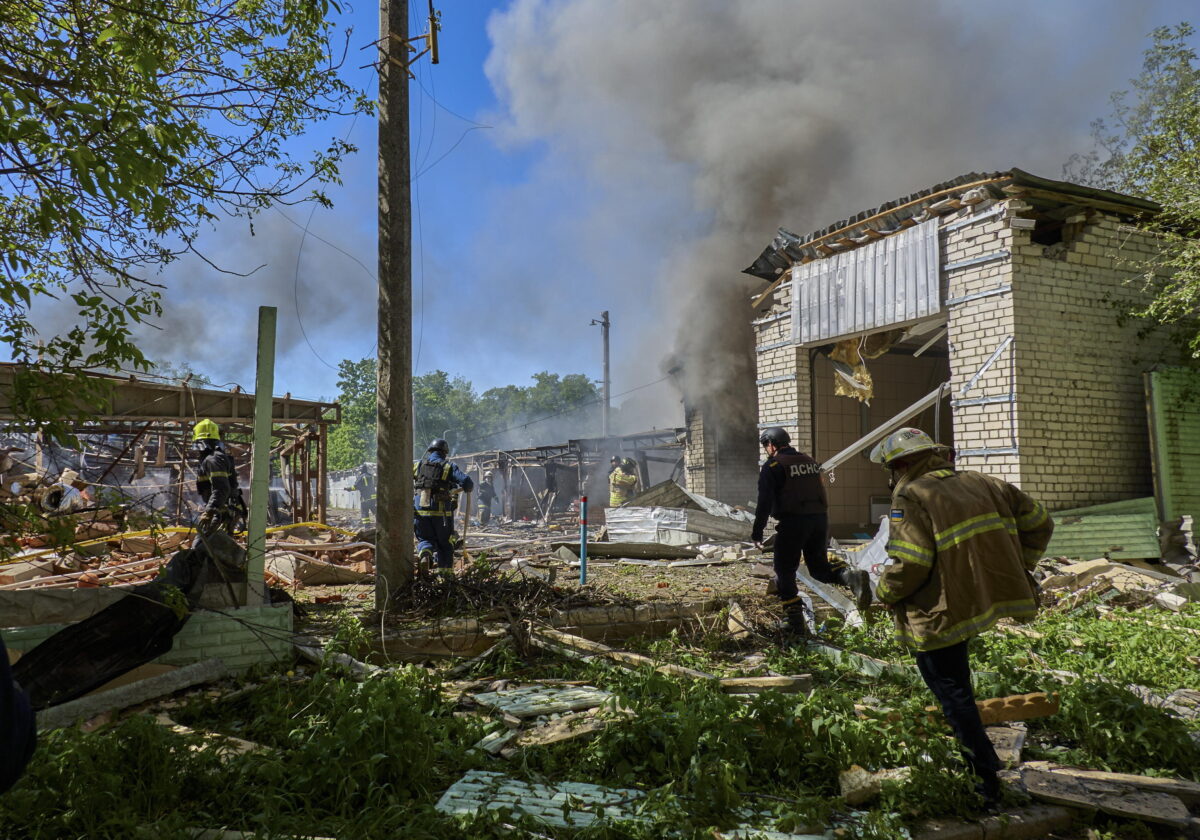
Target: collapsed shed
985	310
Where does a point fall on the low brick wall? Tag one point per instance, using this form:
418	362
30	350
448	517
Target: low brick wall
241	637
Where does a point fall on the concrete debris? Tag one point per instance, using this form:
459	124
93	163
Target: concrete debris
225	746
1008	741
566	804
127	559
859	785
536	700
577	805
1186	791
1125	580
1017	707
313	651
132	694
1107	796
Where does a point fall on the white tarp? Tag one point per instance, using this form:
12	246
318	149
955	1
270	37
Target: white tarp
892	281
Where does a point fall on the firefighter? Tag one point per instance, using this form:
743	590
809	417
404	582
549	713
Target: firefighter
487	493
216	482
623	481
437	481
791	489
961	547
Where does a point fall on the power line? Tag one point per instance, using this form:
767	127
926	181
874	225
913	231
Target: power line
299	254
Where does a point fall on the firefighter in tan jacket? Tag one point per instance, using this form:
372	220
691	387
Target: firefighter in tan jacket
961	548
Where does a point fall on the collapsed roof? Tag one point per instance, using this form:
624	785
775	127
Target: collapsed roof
788	248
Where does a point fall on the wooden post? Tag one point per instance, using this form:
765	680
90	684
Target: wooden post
260	475
306	477
394	494
322	475
182	479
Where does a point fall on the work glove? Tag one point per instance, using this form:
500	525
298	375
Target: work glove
206	520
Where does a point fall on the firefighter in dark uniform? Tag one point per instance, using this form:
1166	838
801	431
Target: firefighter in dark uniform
487	494
435	480
216	481
790	489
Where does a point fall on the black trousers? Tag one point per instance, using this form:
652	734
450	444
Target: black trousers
806	535
947	672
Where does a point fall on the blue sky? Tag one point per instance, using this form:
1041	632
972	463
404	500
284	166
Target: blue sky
585	191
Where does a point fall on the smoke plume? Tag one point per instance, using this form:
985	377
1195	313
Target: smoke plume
762	113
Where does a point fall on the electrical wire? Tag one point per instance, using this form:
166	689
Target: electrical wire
300	252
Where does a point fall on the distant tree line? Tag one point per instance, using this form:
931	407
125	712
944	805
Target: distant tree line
550	410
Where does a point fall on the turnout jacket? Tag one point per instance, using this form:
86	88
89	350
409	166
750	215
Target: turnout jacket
443	502
789	484
961	547
216	481
622	486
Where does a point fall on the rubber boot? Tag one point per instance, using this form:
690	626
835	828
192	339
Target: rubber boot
859	583
425	561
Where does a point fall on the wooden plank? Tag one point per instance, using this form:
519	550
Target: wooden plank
1116	800
647	551
794	684
1188	792
588	648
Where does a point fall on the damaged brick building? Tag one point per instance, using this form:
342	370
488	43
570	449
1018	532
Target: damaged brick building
986	310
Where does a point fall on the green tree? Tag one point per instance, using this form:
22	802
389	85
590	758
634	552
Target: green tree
352	442
552	407
1150	147
444	405
124	129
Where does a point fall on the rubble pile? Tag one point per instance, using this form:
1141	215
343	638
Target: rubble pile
116	560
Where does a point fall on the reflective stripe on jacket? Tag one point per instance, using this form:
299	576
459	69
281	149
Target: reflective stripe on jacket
454	478
961	547
216	481
622	487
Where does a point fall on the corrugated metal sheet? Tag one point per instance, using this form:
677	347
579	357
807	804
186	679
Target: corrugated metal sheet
1143	505
892	281
1119	536
1173	399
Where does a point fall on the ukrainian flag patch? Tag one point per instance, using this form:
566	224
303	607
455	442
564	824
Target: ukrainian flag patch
896	515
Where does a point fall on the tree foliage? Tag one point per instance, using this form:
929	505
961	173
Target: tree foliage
1150	147
552	408
124	129
352	442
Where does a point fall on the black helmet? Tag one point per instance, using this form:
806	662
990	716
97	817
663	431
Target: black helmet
439	445
776	435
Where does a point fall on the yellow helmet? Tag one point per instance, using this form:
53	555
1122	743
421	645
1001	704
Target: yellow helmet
900	443
206	430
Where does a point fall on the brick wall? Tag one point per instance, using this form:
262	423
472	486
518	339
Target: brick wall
1061	410
720	457
977	273
1081	404
240	637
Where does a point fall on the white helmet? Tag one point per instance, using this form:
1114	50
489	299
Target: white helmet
902	442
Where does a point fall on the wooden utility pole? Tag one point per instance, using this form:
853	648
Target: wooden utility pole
604	325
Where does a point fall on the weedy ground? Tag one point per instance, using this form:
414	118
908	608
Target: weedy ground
370	759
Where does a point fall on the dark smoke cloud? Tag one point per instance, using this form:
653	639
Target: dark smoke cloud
210	316
760	113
